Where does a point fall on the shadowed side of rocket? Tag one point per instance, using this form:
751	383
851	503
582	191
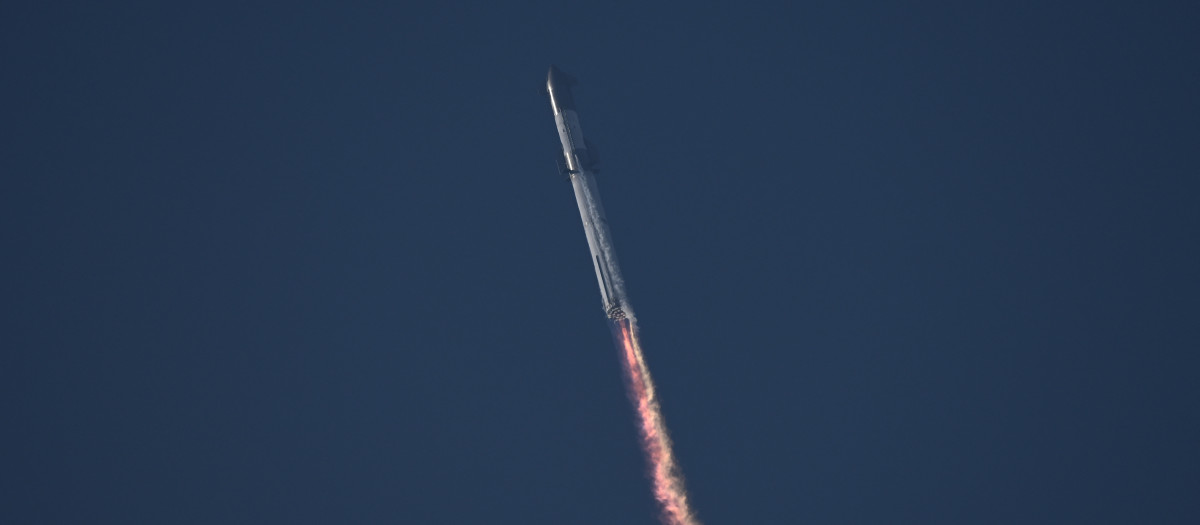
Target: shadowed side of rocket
580	166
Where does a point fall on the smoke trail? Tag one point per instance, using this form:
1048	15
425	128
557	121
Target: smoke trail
665	474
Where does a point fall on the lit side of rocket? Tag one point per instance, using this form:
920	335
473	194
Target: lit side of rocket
580	166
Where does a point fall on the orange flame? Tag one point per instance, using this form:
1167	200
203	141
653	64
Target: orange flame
668	480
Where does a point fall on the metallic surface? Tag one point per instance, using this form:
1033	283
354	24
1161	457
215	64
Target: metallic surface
580	167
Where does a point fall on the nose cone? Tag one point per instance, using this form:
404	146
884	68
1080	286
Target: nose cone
557	79
558	84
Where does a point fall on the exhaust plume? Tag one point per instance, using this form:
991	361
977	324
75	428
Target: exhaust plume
656	443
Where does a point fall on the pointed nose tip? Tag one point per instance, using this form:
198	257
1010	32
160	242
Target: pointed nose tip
556	77
558	84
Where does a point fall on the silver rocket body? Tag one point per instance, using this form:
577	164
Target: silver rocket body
580	167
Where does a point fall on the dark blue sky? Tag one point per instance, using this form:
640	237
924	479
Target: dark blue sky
893	264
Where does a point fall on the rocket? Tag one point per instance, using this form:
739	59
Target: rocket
580	167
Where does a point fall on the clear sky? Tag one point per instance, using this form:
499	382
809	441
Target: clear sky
269	263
